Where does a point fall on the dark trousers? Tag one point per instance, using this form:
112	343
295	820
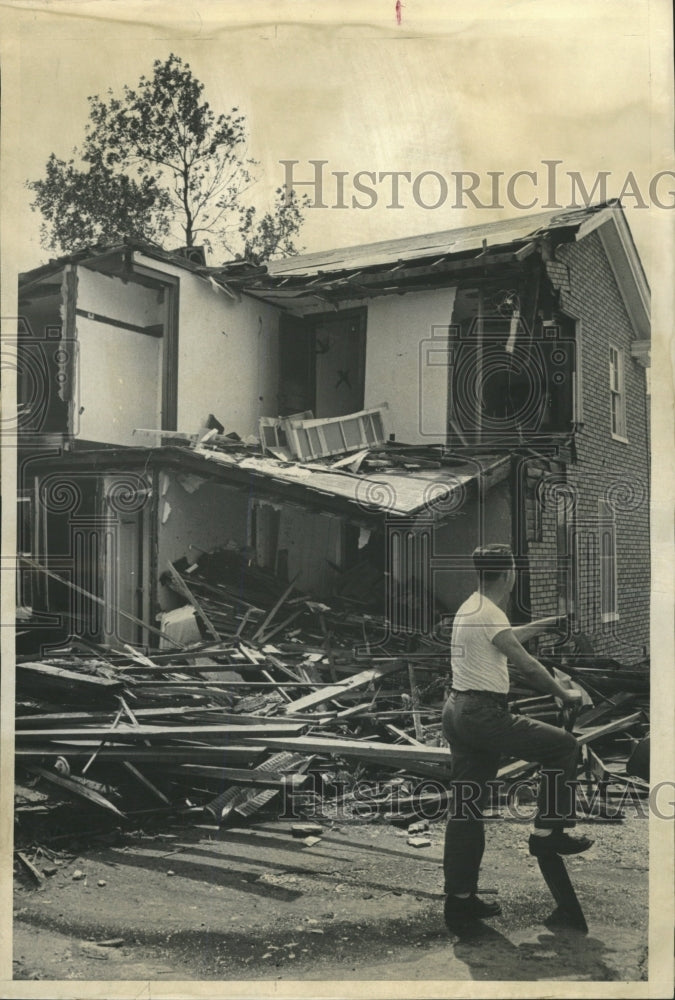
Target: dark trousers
481	730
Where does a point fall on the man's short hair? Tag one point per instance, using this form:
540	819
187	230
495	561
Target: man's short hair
491	561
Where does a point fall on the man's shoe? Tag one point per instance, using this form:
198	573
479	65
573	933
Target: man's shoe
471	908
558	842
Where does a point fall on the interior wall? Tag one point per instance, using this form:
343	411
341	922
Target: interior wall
407	363
118	371
196	515
227	355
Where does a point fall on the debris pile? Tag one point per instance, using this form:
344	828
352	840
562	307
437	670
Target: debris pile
280	703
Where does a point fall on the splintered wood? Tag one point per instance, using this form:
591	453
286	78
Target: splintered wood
282	699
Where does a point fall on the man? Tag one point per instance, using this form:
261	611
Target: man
480	730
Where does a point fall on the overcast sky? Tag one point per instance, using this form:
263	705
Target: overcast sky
479	87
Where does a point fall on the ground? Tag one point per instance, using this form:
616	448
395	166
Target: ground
198	903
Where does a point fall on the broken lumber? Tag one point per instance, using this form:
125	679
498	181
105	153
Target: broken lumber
98	600
77	788
395	753
30	868
246	803
584	735
181	586
37	677
243	776
268	619
124	733
355	682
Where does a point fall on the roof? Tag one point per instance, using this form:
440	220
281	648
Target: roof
317	281
313	281
97	257
501	233
394	492
397	493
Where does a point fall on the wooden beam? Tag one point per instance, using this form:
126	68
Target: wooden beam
140	733
97	600
156	755
76	788
284	597
183	589
352	684
619	725
243	776
393	753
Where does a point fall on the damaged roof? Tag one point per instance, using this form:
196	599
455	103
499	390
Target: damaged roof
111	257
488	235
315	281
391	491
394	492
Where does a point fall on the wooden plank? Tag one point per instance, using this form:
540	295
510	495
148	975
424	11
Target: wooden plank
414	694
243	776
98	600
112	728
270	615
265	637
30	868
355	682
30	722
28	672
183	589
122	734
619	725
606	707
360	748
156	755
74	787
404	736
146	782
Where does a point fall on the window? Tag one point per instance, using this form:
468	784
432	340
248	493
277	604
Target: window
607	536
617	395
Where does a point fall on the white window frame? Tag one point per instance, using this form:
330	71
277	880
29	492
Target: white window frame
609	595
617	394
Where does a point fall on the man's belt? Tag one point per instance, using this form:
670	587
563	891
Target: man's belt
501	699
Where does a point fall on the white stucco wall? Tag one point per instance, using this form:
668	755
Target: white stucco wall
407	362
118	371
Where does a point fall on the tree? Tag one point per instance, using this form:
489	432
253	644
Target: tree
158	162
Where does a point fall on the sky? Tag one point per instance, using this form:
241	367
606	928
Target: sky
483	87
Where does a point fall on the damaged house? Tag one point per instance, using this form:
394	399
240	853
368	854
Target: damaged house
354	422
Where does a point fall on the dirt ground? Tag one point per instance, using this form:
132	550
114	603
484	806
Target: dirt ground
199	903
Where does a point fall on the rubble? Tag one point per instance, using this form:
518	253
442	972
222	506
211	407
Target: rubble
283	705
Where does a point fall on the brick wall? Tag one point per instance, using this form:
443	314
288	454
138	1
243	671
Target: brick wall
606	468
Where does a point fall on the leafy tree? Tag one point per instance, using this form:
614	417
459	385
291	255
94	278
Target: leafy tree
158	161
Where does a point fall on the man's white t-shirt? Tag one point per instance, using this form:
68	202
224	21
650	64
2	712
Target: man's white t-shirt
477	664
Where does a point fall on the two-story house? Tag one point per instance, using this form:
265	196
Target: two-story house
511	356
